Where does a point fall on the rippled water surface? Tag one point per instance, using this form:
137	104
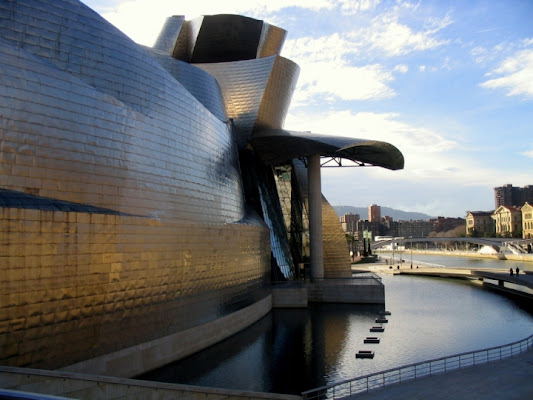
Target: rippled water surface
290	351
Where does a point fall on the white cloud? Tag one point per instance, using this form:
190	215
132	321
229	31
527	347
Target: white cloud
516	75
483	55
480	54
414	141
422	68
387	34
528	153
325	71
355	6
334	81
401	68
334	48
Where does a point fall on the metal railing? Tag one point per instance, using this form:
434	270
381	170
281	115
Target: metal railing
418	370
357	277
366	277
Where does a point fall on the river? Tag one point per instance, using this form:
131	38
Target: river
293	350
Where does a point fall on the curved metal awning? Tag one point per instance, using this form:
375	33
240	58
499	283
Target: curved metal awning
278	146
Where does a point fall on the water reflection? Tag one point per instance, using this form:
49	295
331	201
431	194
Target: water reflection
293	350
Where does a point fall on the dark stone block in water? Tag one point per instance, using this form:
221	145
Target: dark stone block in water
364	354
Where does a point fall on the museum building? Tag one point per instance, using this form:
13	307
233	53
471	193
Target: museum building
149	197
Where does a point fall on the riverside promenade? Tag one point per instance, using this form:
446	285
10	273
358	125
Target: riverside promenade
508	379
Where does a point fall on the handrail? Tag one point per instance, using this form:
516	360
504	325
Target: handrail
356	277
417	370
359	276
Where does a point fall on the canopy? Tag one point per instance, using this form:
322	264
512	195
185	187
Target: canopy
278	146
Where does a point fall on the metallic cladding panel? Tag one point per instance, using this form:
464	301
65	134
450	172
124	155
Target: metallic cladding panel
278	94
185	41
78	41
256	92
271	42
199	83
88	117
168	37
226	37
75	285
222	38
65	136
242	84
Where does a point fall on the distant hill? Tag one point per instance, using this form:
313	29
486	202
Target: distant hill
397	215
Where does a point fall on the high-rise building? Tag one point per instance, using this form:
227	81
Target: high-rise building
374	213
509	195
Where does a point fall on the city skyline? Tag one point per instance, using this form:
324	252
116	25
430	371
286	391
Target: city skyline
448	83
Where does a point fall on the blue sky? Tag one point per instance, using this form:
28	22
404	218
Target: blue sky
450	83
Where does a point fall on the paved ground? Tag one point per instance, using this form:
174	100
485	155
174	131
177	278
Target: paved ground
501	380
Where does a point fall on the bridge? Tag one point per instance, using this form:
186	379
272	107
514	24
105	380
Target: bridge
512	243
494	278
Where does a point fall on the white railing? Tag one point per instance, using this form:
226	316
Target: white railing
418	370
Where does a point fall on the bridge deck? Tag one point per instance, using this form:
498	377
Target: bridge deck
521	284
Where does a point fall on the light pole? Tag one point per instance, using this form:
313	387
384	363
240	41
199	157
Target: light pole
410	237
392	261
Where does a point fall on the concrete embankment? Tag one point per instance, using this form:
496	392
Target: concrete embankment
81	386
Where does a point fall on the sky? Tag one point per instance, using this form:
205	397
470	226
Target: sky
449	83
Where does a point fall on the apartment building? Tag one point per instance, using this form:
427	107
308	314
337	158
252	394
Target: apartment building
508	221
480	223
527	221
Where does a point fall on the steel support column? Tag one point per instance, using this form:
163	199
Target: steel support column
315	217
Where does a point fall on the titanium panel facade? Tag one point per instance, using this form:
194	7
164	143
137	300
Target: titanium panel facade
89	117
106	124
257	92
167	41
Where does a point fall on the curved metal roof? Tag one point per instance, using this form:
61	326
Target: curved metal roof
278	146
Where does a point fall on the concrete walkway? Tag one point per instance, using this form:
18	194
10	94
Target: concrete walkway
511	378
